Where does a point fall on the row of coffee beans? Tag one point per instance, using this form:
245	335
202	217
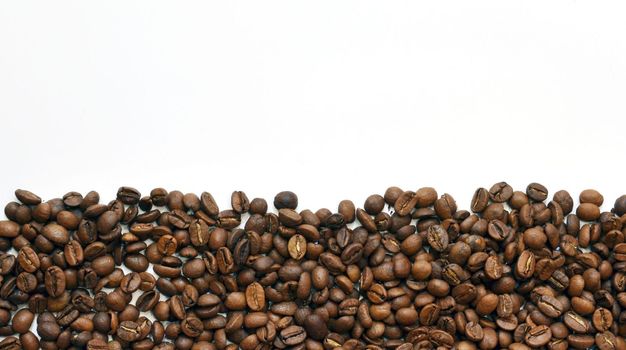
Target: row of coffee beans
405	270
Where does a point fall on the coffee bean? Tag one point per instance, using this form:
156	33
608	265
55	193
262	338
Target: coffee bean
437	238
606	341
445	206
103	265
297	247
405	203
538	336
316	327
129	331
550	306
72	199
286	199
199	233
375	203
525	266
239	202
55	281
474	331
537	192
22	321
167	245
57	234
192	326
28	259
27	197
255	296
588	211
128	195
293	335
480	200
9	229
500	192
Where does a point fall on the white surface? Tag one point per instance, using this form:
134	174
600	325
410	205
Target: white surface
329	99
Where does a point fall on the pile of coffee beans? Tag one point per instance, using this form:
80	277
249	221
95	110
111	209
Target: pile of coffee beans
406	270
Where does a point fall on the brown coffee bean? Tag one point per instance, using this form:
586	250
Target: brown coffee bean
537	192
56	233
22	321
192	326
167	245
480	200
293	335
602	319
538	336
474	331
255	296
239	202
445	206
575	322
48	330
437	238
550	306
405	203
525	266
286	199
55	281
315	327
500	192
9	229
104	265
297	247
199	233
374	204
606	341
28	259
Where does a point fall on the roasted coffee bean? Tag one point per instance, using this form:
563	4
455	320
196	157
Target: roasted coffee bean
480	200
73	253
199	233
167	245
500	192
239	202
405	203
255	296
56	234
192	326
437	238
129	331
293	335
48	330
128	195
286	199
538	336
575	322
537	192
55	281
550	306
9	229
22	321
28	259
602	319
525	266
297	247
316	327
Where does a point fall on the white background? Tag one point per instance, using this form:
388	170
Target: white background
330	99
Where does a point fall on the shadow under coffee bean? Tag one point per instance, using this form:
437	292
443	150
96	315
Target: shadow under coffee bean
408	270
